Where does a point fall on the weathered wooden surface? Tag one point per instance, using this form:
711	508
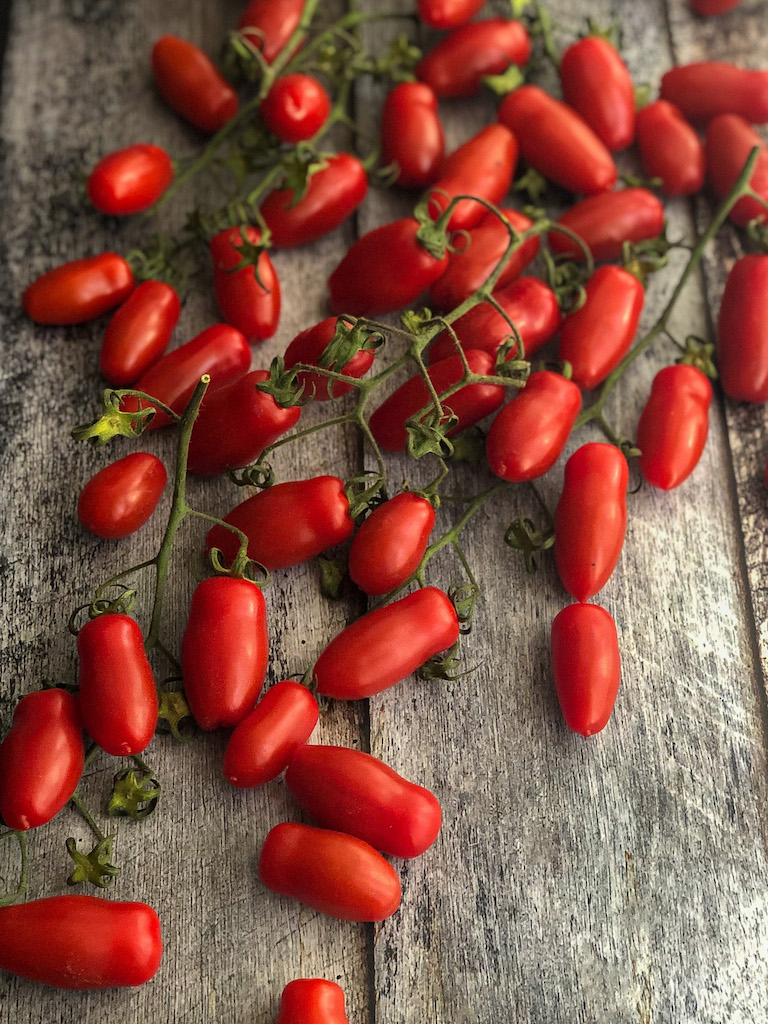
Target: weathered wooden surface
612	881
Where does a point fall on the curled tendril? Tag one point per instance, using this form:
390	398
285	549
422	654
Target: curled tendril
260	475
522	535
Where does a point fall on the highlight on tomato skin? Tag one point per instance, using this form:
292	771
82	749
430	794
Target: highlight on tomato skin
79	290
130	180
139	332
275	21
586	665
296	107
390	544
312	1001
121	497
673	425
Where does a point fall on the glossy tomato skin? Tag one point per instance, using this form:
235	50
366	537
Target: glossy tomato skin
117	695
390	544
139	332
248	298
288	523
312	1001
308	347
729	141
528	435
335	874
703	90
275	20
708	8
296	107
119	499
80	290
190	84
557	141
742	331
670	149
673	425
41	759
387	644
81	942
224	651
130	180
596	337
457	63
352	792
596	82
607	220
591	518
586	665
412	134
447	13
264	742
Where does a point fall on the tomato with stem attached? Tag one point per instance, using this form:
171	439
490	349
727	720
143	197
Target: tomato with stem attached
412	140
309	346
606	221
390	544
247	292
296	107
742	331
80	290
130	180
457	64
670	149
673	425
596	82
119	499
312	1001
586	666
708	88
139	332
269	24
729	141
190	84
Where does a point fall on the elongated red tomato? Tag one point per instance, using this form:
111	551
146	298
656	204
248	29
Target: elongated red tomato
729	141
707	8
41	759
130	180
273	22
288	523
596	82
412	134
263	743
557	141
387	644
591	518
190	84
308	348
670	149
80	290
118	695
81	942
703	90
139	332
224	651
353	792
333	193
608	220
483	166
248	298
312	1001
673	426
122	496
457	63
391	543
470	404
742	331
528	435
586	665
296	107
333	873
447	13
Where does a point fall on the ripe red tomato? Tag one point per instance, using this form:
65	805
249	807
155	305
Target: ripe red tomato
596	82
557	141
707	8
458	62
729	142
248	298
387	644
81	942
591	518
275	21
333	193
191	84
333	873
586	665
121	497
529	433
41	759
296	107
411	134
288	523
308	347
139	332
607	220
312	1001
224	651
447	13
130	180
117	696
264	742
390	544
711	87
742	331
673	426
670	149
79	290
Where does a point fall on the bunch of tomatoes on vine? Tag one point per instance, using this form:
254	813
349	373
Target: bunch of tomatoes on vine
471	322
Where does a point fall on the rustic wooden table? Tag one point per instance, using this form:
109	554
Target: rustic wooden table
614	881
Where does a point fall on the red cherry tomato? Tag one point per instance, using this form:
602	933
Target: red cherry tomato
387	644
353	792
447	13
471	403
729	142
312	1001
703	90
274	22
529	433
117	696
296	107
411	134
557	141
288	523
596	82
333	873
139	332
586	665
670	149
308	348
591	518
673	426
607	220
130	180
191	85
707	8
248	298
122	496
391	543
224	651
264	742
596	337
41	760
334	193
81	942
458	62
742	331
81	290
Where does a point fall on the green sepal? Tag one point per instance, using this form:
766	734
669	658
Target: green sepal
95	867
283	385
113	421
506	82
699	353
523	536
134	794
174	710
332	576
427	436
